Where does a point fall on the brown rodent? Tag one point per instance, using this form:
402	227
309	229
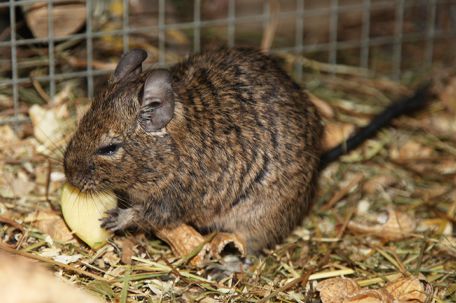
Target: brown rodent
224	141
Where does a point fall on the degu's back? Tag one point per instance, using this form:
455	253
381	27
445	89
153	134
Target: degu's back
251	139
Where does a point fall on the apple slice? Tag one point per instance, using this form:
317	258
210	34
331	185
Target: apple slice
83	211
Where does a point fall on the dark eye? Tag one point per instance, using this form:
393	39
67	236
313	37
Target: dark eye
108	150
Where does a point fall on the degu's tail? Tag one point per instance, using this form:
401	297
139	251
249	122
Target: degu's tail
405	106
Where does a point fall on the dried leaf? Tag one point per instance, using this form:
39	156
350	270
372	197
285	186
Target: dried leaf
21	185
52	224
378	183
431	192
8	136
448	245
67	18
111	258
208	300
127	247
440	166
448	95
370	296
443	124
14	148
336	133
397	226
322	106
438	226
411	150
446	167
48	128
407	289
343	290
335	290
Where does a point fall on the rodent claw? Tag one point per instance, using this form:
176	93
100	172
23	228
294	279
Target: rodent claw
117	219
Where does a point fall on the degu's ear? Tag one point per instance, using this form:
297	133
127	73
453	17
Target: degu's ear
157	101
129	64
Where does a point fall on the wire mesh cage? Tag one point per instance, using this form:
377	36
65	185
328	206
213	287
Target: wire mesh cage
46	44
355	58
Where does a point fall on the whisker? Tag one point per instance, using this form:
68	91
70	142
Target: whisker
58	146
54	160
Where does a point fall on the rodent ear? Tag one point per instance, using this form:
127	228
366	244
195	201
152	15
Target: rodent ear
130	64
157	101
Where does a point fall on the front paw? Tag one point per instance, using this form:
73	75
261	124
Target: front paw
117	219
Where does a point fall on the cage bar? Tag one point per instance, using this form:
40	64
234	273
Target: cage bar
430	32
299	36
231	28
334	46
125	21
89	10
161	32
333	21
398	40
365	34
51	49
14	79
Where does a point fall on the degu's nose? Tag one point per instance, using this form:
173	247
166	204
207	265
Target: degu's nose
77	170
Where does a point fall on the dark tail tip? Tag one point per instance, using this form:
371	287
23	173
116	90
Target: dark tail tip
405	106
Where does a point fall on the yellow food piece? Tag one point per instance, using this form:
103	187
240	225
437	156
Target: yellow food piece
83	211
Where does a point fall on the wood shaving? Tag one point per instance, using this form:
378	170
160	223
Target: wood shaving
222	240
183	239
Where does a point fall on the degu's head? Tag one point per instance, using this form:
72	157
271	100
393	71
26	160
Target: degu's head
116	134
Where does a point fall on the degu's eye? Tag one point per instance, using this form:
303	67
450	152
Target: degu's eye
108	150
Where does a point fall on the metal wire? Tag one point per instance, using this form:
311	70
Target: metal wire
311	12
51	49
197	28
14	59
161	32
299	37
341	45
231	22
398	36
333	21
125	21
304	11
431	32
89	31
365	34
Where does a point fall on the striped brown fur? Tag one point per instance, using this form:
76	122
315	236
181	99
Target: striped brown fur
240	153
